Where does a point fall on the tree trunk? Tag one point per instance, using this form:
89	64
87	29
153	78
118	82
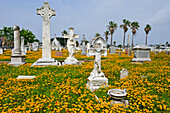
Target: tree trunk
146	39
124	41
111	39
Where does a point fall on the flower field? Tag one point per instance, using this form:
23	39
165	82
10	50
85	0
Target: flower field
63	88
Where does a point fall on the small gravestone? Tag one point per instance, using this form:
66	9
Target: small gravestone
35	46
119	53
83	46
59	53
25	77
112	50
22	46
124	73
1	51
141	53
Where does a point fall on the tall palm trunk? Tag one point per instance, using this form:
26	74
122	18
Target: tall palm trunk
132	40
146	39
111	39
124	40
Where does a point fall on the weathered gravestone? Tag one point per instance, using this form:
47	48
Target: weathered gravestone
1	51
25	77
22	46
97	78
124	73
83	46
46	13
112	50
71	45
56	45
59	53
35	46
141	53
16	57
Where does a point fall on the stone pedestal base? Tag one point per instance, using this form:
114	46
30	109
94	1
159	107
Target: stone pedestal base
141	59
45	62
17	60
96	81
72	61
112	50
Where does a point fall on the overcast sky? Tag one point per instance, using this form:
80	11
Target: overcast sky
91	16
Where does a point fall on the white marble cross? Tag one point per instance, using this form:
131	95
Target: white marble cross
71	34
46	13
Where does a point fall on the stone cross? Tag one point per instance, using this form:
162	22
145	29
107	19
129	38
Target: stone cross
46	13
71	34
97	52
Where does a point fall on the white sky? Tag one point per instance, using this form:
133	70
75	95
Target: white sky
91	16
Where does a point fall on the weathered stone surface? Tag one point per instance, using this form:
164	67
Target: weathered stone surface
141	53
22	46
71	45
46	13
97	77
83	46
124	73
112	50
16	57
1	51
25	77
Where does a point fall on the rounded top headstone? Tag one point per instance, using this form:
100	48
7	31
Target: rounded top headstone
16	27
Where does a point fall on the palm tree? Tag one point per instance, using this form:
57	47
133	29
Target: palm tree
125	25
114	43
64	32
134	27
147	29
97	35
112	26
106	35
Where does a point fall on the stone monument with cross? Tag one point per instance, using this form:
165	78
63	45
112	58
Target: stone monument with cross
71	45
97	78
46	13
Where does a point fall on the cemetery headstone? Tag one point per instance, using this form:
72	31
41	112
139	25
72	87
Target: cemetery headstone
46	13
56	45
83	46
141	53
97	78
59	53
112	50
1	51
25	77
71	45
16	57
22	46
88	47
35	46
124	73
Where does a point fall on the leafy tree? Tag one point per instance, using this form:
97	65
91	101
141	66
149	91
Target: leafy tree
125	25
147	29
28	36
97	35
106	35
134	27
112	26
